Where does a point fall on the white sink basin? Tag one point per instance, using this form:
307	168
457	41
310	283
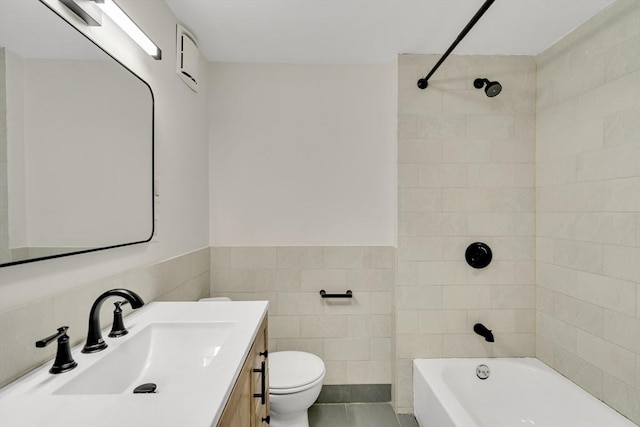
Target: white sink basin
192	351
170	355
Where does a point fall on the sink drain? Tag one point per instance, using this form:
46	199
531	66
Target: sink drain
145	388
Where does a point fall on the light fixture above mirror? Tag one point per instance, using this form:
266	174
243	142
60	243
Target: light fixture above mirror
90	11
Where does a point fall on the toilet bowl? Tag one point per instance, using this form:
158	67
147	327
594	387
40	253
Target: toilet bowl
295	381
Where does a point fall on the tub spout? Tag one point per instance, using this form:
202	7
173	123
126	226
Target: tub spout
482	330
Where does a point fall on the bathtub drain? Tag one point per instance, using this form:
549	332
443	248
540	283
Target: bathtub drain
483	372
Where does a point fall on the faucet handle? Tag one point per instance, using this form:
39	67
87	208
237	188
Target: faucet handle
118	329
64	361
62	330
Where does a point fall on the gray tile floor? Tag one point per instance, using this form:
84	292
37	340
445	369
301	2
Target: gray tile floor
358	415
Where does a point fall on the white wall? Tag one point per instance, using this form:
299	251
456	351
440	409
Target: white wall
302	155
181	167
88	151
16	192
4	211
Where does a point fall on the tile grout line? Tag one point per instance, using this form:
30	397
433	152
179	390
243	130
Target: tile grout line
346	415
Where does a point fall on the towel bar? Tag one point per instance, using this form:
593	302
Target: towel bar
347	294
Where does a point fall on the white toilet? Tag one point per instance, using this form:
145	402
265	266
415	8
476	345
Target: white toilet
295	381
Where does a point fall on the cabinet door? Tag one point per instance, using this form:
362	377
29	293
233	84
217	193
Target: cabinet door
245	407
260	356
238	411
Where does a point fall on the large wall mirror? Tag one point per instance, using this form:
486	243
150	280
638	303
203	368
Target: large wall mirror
76	141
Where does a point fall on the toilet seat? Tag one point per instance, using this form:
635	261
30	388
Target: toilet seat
283	391
294	371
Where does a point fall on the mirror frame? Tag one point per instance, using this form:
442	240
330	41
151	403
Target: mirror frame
101	248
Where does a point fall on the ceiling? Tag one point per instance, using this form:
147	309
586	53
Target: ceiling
31	30
373	31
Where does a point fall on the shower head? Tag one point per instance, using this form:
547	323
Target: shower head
492	88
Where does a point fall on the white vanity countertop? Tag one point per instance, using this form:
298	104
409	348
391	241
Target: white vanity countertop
34	400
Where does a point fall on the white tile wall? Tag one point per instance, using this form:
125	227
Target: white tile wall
354	337
466	174
588	203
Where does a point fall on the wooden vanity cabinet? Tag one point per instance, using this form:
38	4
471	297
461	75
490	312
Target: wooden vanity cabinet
246	406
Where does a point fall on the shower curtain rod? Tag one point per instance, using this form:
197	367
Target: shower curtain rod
424	82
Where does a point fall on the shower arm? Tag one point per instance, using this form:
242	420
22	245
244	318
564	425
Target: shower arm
424	82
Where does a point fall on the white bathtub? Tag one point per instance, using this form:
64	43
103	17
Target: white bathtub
518	392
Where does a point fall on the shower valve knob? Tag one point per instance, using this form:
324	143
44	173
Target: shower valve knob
478	255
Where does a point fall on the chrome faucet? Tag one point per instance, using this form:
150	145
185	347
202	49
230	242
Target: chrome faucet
95	342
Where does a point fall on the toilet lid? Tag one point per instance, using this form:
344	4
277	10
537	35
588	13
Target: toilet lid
291	369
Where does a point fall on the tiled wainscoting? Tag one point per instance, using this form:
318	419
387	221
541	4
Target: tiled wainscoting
183	278
353	336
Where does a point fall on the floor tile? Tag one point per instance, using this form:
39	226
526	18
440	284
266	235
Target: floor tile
407	420
370	393
328	416
371	415
355	393
334	394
